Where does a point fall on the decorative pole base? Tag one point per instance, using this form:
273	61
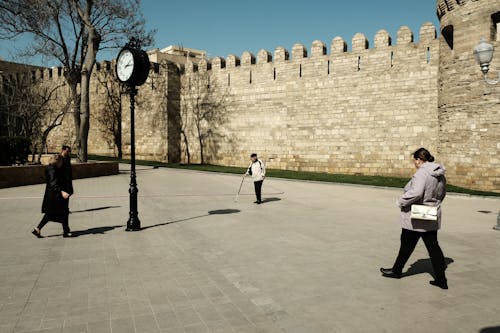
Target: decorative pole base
133	224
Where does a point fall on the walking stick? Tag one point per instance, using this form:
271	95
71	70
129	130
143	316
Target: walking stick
239	190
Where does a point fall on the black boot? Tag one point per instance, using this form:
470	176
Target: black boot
441	284
389	273
36	233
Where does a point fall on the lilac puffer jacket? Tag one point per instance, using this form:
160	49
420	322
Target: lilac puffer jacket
427	187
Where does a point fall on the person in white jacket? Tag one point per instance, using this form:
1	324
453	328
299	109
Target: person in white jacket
257	170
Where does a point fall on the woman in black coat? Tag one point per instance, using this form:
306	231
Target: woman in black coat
55	201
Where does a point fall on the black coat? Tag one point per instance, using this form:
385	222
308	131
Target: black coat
53	202
68	174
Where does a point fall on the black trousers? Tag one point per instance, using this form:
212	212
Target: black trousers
62	219
409	240
258	189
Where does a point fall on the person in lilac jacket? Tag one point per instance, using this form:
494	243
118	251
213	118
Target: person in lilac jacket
427	187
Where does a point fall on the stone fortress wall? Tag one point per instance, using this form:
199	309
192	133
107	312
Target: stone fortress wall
361	110
468	108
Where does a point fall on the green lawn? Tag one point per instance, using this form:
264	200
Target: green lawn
302	175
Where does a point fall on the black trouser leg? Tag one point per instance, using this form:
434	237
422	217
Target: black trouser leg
436	254
258	190
409	240
43	222
65	224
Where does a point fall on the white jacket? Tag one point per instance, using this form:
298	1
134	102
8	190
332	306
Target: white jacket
258	170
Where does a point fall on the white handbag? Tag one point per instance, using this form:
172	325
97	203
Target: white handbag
421	212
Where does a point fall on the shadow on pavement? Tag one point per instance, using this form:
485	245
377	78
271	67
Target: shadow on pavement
495	329
424	266
212	212
266	200
93	209
91	231
96	230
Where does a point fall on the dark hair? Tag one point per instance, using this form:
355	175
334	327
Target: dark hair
65	147
424	155
253	155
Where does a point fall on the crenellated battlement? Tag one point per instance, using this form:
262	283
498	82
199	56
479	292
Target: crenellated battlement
57	73
446	6
358	106
338	49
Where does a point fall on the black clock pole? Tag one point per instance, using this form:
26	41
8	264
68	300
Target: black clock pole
133	223
132	70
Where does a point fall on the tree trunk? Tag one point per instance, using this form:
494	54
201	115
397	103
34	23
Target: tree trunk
43	145
72	78
93	41
188	154
118	135
200	139
84	117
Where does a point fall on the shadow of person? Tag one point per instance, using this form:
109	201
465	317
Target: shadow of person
93	209
96	230
209	213
223	211
492	329
91	231
424	266
266	200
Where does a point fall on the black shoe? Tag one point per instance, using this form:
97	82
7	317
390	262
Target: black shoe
69	235
36	233
258	202
440	284
389	273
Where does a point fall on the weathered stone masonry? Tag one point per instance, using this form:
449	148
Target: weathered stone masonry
361	111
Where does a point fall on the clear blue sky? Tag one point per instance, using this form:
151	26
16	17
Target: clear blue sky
230	27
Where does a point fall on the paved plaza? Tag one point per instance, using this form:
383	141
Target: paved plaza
307	260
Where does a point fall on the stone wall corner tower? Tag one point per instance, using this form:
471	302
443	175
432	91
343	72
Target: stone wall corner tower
468	108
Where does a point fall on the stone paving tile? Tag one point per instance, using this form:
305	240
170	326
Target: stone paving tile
307	263
122	325
167	320
99	326
146	324
197	328
80	328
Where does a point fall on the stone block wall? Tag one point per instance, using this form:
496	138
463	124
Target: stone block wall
357	112
469	109
357	109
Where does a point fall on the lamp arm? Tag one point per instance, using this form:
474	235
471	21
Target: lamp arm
490	81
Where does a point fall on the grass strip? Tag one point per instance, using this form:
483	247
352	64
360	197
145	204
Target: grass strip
384	181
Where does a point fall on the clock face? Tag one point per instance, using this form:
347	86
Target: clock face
125	65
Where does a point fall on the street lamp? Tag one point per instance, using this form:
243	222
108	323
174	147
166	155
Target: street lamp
132	69
483	53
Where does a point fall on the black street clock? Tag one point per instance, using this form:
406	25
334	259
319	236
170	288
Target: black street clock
132	69
132	66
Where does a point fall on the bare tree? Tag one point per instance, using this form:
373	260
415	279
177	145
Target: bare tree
72	32
34	109
203	108
184	131
109	116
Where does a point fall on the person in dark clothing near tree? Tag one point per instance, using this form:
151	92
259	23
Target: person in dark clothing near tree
55	201
257	170
67	171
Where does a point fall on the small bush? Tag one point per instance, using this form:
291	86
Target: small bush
14	150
